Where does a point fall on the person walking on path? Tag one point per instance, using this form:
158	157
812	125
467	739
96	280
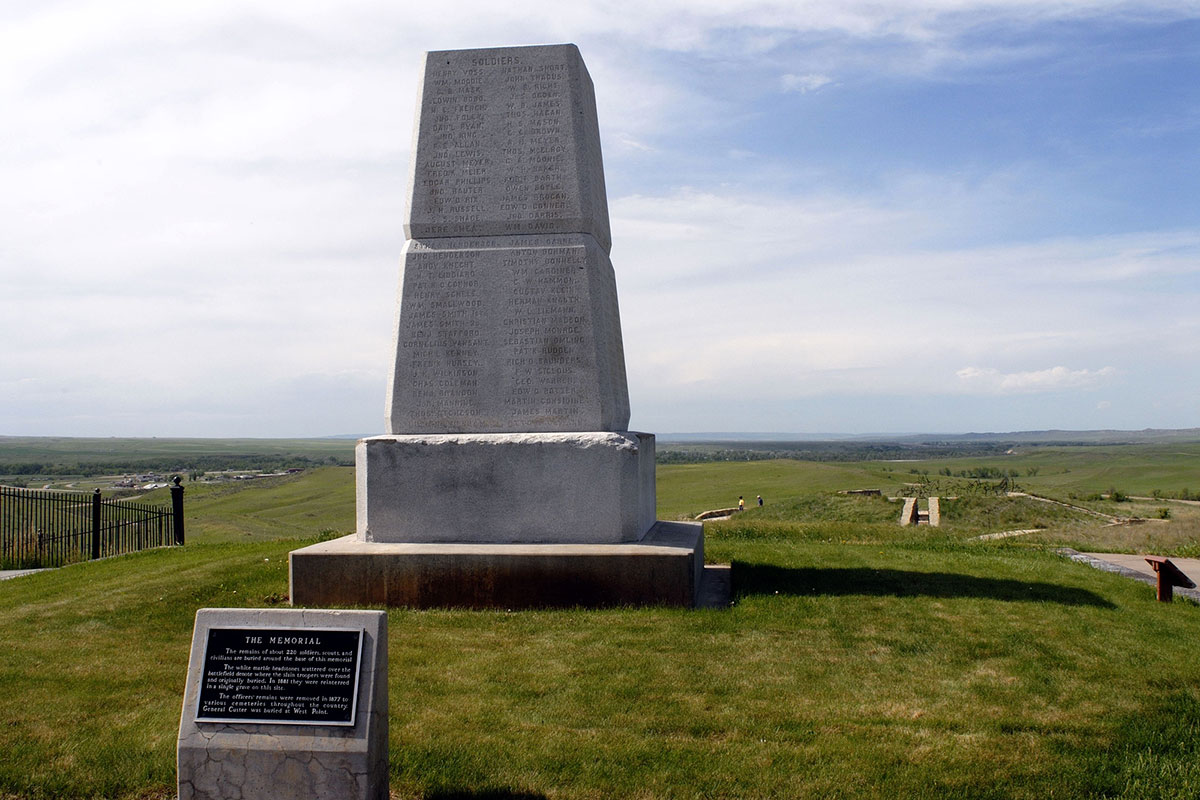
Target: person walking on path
741	503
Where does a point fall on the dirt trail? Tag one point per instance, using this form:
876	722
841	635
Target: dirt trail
1039	498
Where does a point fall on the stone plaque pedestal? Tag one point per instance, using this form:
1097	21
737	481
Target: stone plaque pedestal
275	760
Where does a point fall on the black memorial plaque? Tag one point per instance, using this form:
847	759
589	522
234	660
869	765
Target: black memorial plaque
294	676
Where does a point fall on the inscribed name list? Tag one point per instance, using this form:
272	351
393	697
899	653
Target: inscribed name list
508	334
507	143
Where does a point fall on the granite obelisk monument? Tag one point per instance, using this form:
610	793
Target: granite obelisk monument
508	476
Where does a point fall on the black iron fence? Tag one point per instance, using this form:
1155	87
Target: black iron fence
40	528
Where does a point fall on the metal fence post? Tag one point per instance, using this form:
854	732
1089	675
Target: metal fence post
96	524
177	510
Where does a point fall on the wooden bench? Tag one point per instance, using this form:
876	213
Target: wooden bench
1169	576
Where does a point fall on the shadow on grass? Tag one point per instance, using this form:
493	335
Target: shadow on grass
767	579
484	794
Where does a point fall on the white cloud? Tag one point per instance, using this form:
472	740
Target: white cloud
779	298
213	192
804	83
1054	379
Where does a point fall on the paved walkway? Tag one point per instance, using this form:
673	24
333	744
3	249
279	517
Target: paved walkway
1137	563
987	537
5	574
1135	566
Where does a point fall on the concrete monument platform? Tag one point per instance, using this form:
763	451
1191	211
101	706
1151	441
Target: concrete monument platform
665	568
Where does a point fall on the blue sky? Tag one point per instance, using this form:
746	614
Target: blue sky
827	217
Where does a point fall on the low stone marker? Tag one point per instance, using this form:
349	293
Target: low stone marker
285	703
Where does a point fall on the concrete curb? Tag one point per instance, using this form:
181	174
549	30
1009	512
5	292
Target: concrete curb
9	574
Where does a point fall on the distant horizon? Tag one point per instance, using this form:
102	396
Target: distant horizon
781	436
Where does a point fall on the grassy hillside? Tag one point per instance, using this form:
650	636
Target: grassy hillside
685	490
868	669
319	501
1057	471
1135	469
861	659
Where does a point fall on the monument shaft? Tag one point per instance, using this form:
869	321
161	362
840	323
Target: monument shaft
507	319
507	142
508	380
507	334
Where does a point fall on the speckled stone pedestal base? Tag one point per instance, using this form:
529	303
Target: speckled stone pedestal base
506	488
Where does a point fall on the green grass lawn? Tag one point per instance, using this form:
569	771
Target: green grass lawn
869	669
860	659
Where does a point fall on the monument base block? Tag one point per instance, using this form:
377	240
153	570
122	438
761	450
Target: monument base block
664	568
484	488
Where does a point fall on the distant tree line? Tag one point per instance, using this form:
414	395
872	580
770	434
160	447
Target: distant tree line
925	486
172	464
988	473
703	456
1182	494
1118	496
823	451
1114	494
